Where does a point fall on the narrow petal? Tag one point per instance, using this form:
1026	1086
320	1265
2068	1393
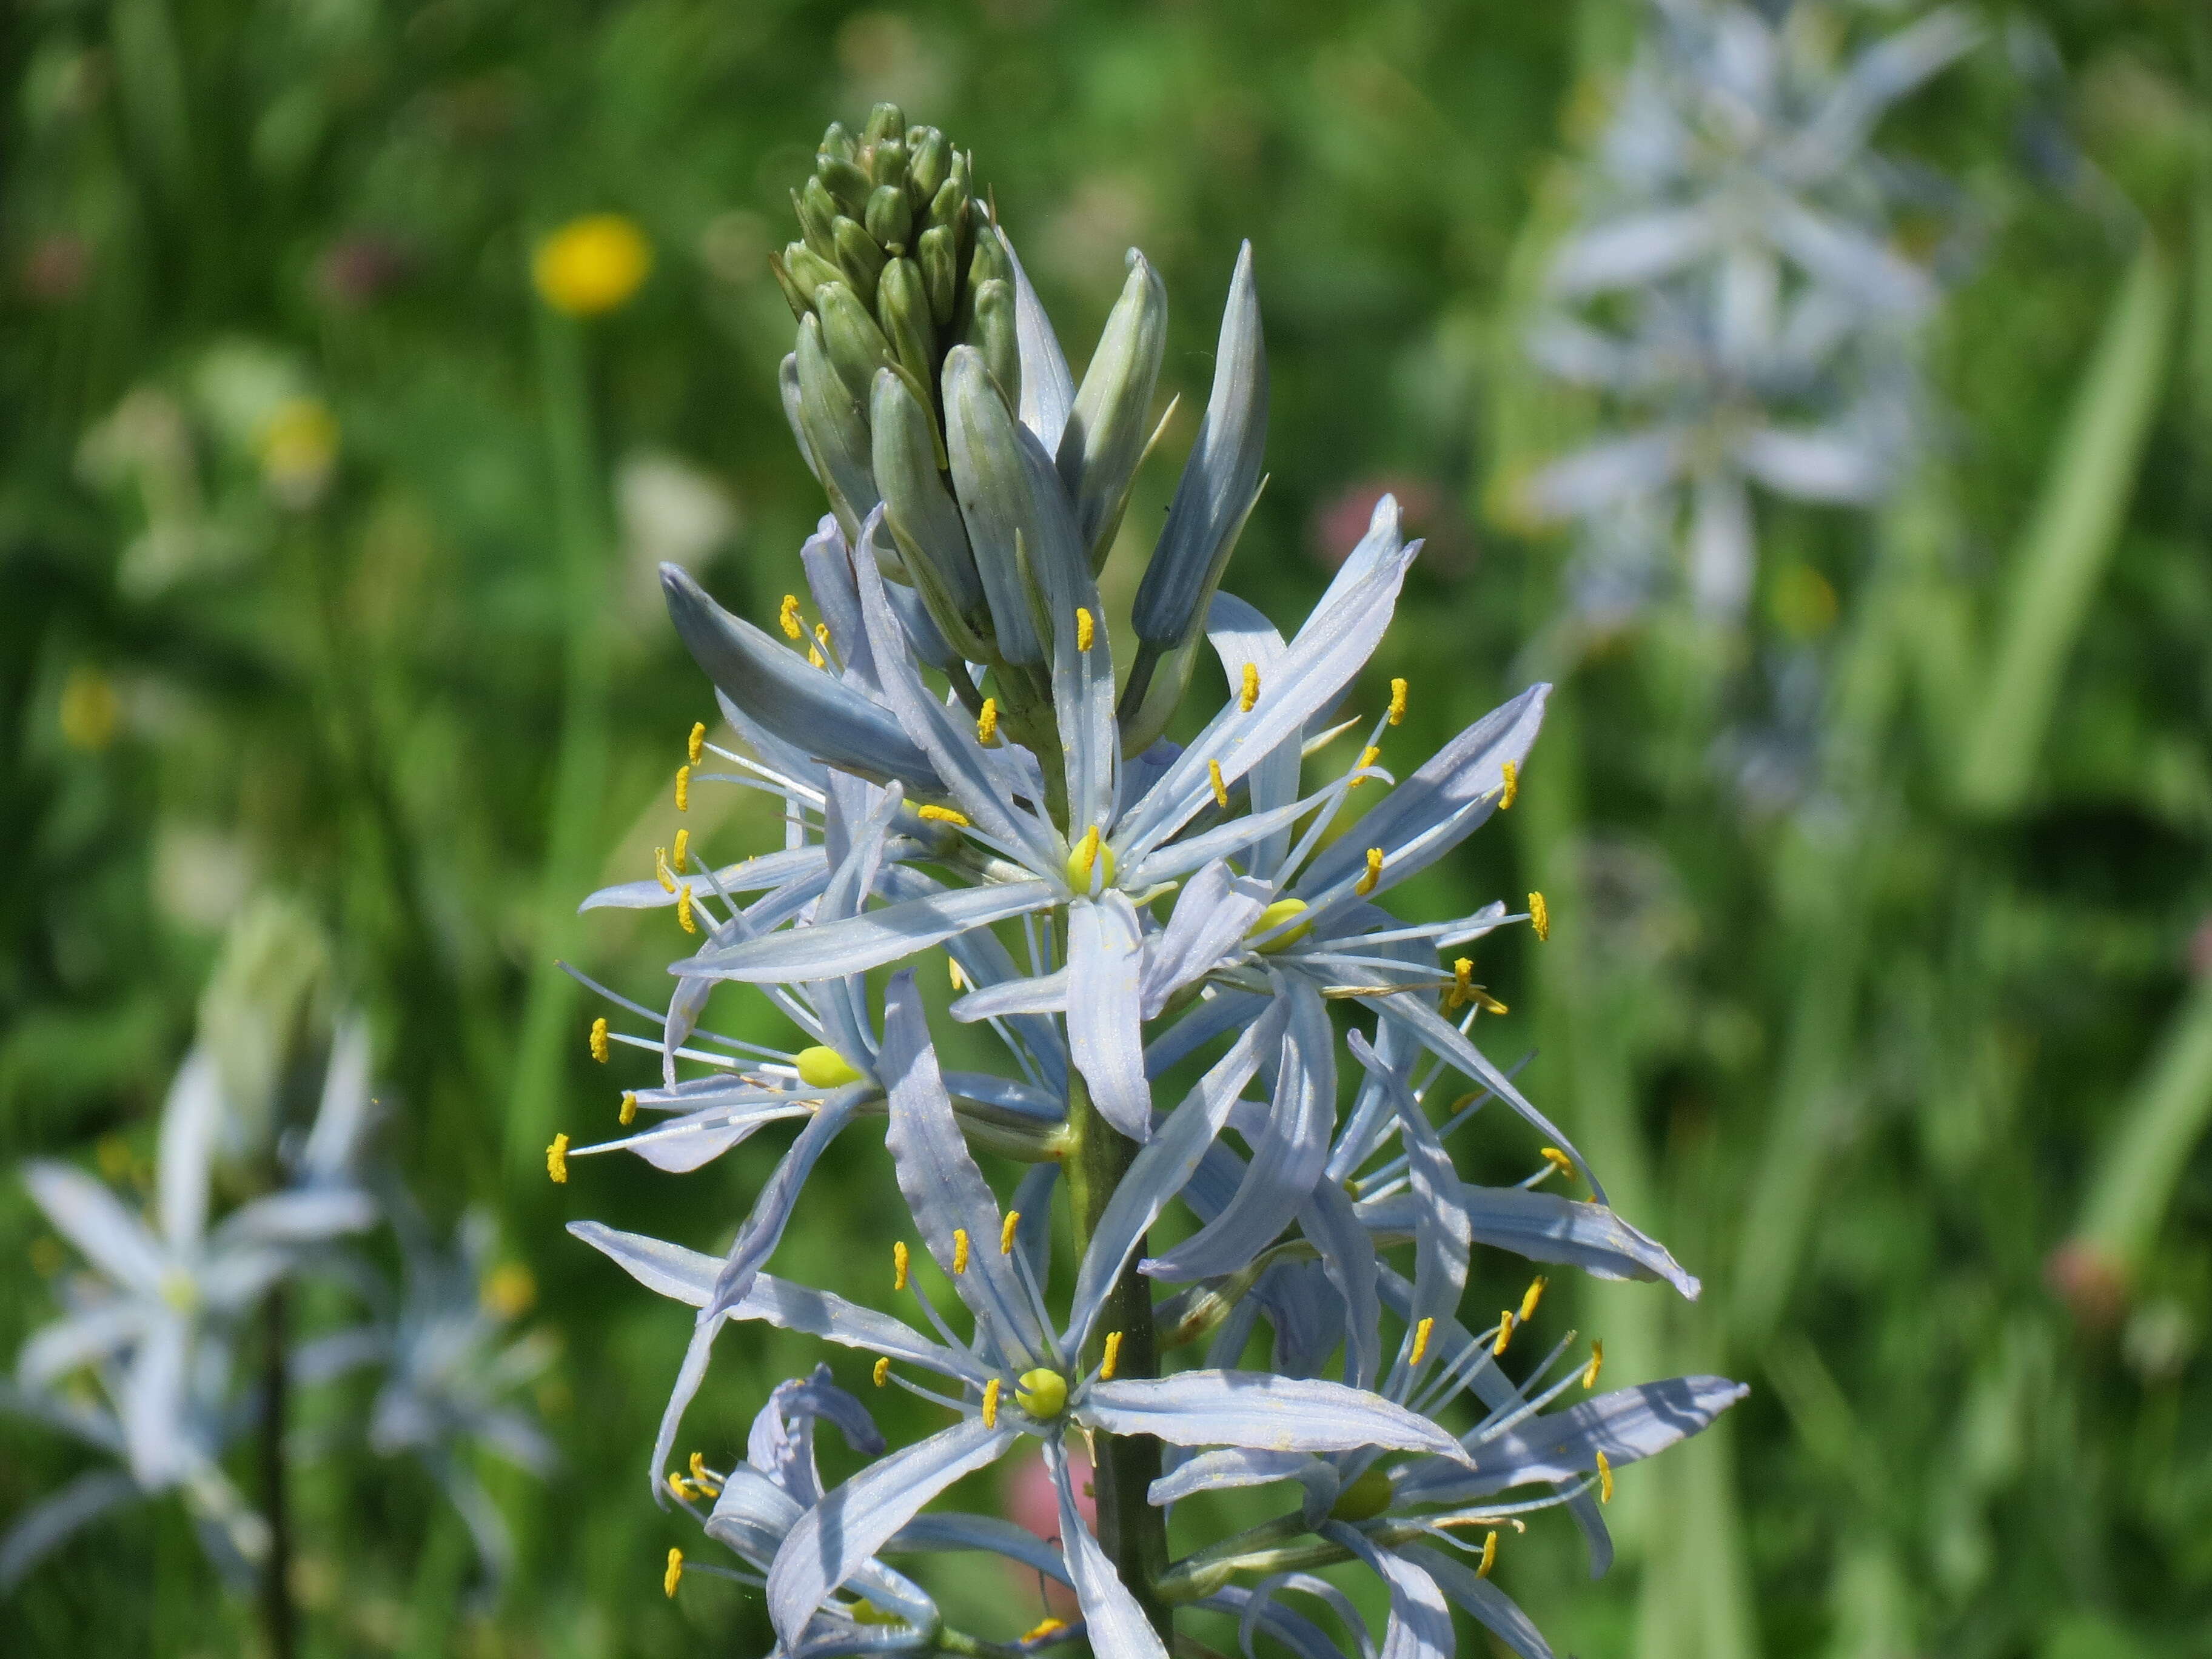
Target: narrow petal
1231	1467
91	1218
1048	388
1112	1622
1420	1625
943	1189
1046	994
751	875
1347	1256
954	1531
1212	915
346	1112
1442	1233
1105	1036
191	1117
81	1338
1546	1227
1256	1408
1485	1603
860	943
829	1541
1256	1611
1239	635
46	1526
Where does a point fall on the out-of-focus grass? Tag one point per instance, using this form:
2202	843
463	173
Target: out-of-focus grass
1921	1042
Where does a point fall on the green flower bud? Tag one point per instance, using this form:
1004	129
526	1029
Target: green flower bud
1106	435
859	258
837	143
846	182
809	270
857	347
837	437
884	121
818	214
989	263
931	158
994	334
796	297
949	207
887	164
890	217
940	271
902	308
925	522
984	440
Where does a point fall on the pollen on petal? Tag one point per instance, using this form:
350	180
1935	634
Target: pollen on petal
941	815
959	1251
674	1575
1249	694
1397	701
556	1160
696	742
1085	629
1365	884
1540	916
599	1040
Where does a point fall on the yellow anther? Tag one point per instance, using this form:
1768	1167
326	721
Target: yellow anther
1085	630
941	815
1420	1331
681	1487
991	1404
1397	701
702	1478
1250	694
825	1068
1366	759
683	788
1559	1161
953	972
1043	1393
629	1110
1365	884
1604	1479
683	909
1007	1231
1540	916
986	723
1047	1627
1112	1357
789	616
599	1040
814	657
1489	1556
660	872
1220	789
680	852
1510	788
556	1160
959	1251
1597	1365
696	742
1536	1294
882	1372
898	1264
1504	1333
822	635
1462	990
1090	853
1273	917
674	1575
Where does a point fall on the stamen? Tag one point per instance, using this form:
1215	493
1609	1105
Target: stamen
674	1575
1366	759
1220	789
1504	1333
629	1110
1510	788
814	657
1540	916
986	723
898	1264
1604	1479
1250	693
681	1487
660	872
556	1160
1112	1357
991	1404
683	788
1365	884
1462	990
882	1372
789	616
1528	1301
1489	1556
1397	701
959	1251
821	1068
1420	1331
700	1477
1597	1365
1088	854
822	635
696	742
953	972
683	909
599	1040
1006	1232
1046	1628
680	852
1559	1161
1085	629
941	815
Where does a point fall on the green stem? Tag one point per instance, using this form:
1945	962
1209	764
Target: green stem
580	768
1132	1533
277	1615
